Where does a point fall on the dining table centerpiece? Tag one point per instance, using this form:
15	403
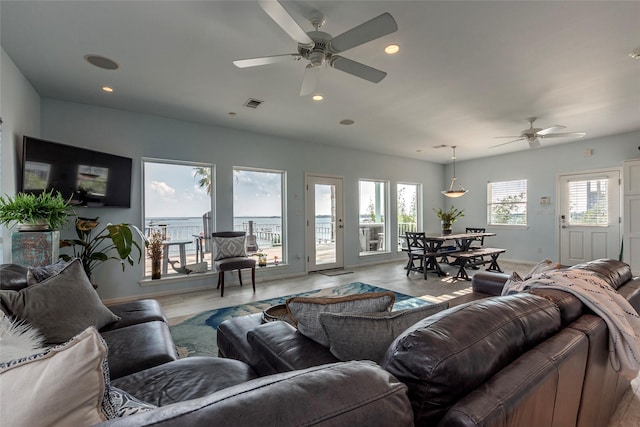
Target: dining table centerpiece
447	218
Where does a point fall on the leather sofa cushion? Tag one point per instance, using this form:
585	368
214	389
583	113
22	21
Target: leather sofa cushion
184	379
232	336
13	277
134	312
615	272
445	356
488	282
338	395
541	388
138	347
279	347
571	308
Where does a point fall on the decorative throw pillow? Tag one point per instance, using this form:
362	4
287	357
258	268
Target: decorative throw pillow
124	404
61	306
65	385
305	311
38	274
230	247
18	339
541	267
366	336
512	285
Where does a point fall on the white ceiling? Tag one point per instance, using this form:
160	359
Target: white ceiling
466	71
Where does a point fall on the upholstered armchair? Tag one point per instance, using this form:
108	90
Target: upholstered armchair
229	249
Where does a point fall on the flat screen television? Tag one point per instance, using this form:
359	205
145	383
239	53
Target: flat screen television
89	178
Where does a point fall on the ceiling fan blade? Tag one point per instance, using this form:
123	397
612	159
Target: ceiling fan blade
310	80
363	33
357	69
266	60
279	14
550	129
509	142
534	143
512	136
565	134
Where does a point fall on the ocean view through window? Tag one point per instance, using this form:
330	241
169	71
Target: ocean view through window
178	203
258	211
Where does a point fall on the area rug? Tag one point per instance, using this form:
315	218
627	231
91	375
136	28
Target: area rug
197	336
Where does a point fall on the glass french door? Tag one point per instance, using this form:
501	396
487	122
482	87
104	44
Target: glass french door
325	223
589	216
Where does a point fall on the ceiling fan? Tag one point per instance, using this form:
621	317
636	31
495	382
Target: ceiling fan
532	134
320	48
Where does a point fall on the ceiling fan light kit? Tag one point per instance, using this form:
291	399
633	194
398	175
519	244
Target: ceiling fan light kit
320	48
454	192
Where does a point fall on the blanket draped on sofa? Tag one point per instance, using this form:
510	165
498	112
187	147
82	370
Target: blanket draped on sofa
621	319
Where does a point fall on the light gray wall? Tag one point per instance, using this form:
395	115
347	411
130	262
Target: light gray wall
20	112
138	135
541	168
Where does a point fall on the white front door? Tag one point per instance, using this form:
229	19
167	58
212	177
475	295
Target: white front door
589	216
325	223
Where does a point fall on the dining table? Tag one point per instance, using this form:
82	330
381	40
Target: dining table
433	247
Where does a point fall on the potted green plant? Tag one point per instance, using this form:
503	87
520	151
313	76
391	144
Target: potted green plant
44	211
447	218
114	241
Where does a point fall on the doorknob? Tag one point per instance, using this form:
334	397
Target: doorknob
565	226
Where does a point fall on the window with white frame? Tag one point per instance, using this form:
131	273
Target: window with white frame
178	204
589	202
408	210
258	209
373	214
507	203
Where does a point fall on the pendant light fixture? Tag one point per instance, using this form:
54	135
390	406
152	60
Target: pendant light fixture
451	192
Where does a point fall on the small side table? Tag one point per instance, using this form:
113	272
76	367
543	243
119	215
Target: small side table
165	252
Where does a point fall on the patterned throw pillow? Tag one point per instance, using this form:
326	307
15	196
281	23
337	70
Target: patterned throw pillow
61	306
38	274
305	311
71	383
230	247
124	404
367	336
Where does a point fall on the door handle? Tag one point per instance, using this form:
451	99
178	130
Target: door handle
565	226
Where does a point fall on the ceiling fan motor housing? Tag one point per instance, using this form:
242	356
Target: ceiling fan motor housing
319	52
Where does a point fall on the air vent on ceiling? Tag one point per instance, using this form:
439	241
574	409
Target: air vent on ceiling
253	103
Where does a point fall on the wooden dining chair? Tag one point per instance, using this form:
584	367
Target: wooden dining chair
416	250
230	254
477	239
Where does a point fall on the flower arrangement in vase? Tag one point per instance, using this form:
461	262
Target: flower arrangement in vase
154	250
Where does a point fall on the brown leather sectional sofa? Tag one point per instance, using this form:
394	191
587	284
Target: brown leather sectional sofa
538	358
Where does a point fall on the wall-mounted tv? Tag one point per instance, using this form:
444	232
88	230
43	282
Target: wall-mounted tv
89	178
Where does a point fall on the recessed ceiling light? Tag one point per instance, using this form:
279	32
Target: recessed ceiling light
391	49
101	62
346	122
317	97
232	113
418	151
107	89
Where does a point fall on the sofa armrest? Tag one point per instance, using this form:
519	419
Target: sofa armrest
487	282
279	347
340	395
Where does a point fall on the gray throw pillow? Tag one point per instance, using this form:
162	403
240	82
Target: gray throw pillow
38	274
230	247
355	336
305	311
61	306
